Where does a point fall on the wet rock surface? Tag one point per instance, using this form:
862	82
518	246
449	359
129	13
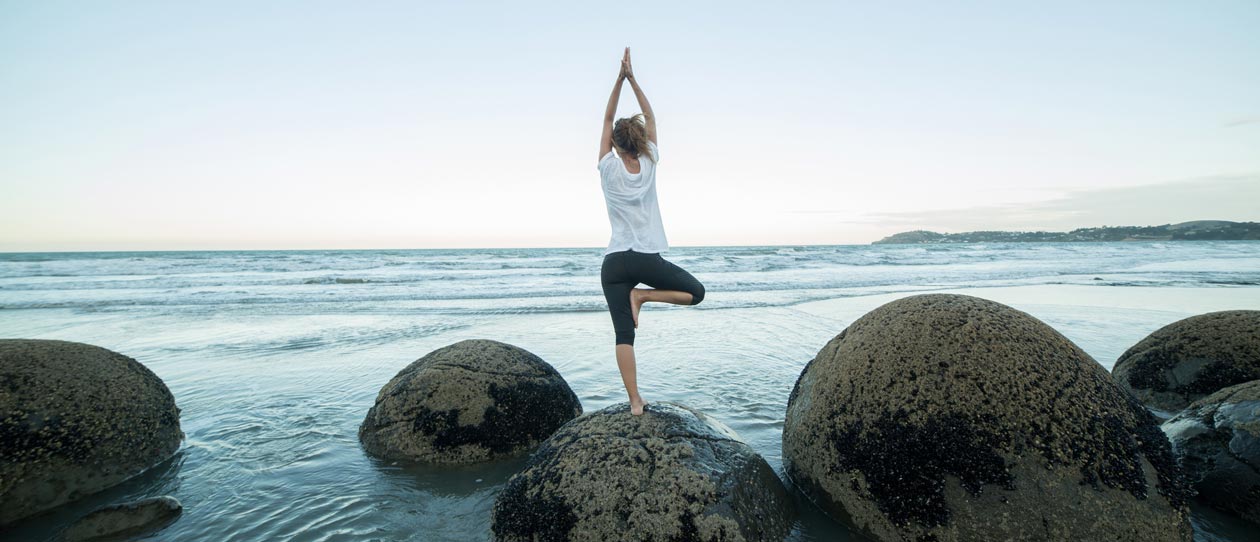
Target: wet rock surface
950	417
126	520
673	473
1190	359
1217	441
471	401
76	419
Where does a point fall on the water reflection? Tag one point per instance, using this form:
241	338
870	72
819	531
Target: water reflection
446	481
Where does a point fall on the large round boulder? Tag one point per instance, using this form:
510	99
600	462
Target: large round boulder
1190	359
1217	441
950	417
475	400
76	419
671	474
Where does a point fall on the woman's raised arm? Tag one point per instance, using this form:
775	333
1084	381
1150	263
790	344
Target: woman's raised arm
648	116
605	140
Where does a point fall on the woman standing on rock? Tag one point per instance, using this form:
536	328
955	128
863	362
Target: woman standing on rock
628	177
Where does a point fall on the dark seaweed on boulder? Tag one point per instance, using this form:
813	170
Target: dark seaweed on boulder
527	411
1217	376
1150	374
1117	463
1111	446
1119	453
520	518
905	465
1232	361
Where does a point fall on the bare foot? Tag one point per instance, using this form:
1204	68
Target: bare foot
636	406
637	297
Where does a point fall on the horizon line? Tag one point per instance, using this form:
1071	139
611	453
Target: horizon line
429	248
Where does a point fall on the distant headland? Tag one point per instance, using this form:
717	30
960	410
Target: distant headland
1198	230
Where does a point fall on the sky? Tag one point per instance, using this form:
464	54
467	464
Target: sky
306	125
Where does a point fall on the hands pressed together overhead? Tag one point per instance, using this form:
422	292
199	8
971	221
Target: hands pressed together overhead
626	71
610	112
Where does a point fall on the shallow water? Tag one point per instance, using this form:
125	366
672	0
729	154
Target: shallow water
275	361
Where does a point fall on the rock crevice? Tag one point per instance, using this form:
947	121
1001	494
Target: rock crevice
1217	441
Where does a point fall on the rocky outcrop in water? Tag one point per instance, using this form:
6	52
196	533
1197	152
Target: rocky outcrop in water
1192	358
125	520
950	417
76	419
472	401
1217	441
671	474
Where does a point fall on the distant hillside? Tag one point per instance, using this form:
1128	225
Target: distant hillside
1198	230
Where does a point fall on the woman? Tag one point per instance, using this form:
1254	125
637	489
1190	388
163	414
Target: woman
633	256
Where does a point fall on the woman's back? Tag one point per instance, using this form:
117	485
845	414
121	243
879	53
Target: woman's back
633	210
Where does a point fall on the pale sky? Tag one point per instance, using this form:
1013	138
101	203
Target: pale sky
239	125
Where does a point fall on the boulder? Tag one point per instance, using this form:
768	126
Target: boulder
1217	441
1190	359
950	417
673	473
125	520
76	419
471	401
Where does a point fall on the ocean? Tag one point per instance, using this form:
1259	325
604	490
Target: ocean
275	357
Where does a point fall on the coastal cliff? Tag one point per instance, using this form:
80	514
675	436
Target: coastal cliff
1198	230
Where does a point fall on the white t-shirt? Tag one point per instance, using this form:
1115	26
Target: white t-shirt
633	211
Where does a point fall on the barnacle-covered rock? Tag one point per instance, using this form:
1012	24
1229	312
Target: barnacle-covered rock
471	401
673	473
1192	358
76	419
950	417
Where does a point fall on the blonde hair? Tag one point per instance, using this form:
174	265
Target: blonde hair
630	135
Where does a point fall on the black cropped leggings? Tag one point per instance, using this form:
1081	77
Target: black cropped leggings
624	270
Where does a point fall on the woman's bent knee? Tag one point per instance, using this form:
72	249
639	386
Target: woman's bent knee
698	294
